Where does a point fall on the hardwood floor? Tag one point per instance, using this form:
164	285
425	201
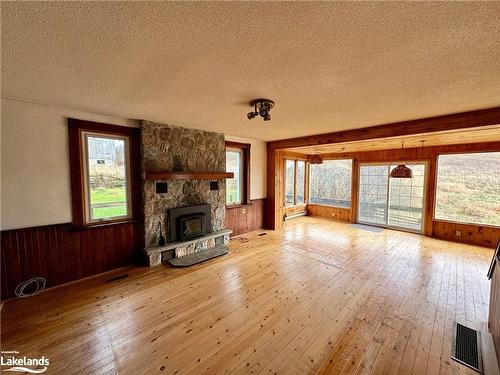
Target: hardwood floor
317	296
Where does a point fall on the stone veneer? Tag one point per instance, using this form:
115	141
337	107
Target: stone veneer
157	254
175	149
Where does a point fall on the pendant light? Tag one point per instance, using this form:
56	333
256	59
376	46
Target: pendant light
401	171
315	159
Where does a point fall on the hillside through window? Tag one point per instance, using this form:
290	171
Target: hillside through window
468	188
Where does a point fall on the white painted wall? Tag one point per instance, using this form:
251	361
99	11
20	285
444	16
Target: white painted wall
258	166
35	180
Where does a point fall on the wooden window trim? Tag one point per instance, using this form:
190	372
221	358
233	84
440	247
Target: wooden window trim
284	181
76	163
245	151
306	181
294	182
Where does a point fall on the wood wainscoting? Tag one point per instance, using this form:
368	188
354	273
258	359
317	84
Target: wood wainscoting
486	236
60	253
329	212
246	218
295	210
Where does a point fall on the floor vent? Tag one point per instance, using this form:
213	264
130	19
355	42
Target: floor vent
466	347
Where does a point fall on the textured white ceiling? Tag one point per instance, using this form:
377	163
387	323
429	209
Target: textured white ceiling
329	66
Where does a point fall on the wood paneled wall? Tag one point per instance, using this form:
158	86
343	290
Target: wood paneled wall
246	218
473	234
329	212
275	192
60	254
494	313
294	210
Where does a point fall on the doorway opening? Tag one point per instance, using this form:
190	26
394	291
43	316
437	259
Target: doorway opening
392	202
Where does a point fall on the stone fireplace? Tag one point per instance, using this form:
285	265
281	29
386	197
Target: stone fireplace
183	209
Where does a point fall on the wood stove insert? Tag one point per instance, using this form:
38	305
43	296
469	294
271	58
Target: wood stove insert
186	223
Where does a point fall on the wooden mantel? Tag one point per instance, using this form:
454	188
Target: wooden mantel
162	175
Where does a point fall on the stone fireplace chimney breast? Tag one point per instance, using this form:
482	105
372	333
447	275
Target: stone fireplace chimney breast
176	149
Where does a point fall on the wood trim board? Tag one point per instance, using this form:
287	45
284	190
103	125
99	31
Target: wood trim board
245	147
462	120
75	127
163	175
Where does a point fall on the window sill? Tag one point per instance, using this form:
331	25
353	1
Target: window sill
295	205
465	223
104	224
329	205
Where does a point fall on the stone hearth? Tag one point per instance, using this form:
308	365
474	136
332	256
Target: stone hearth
157	254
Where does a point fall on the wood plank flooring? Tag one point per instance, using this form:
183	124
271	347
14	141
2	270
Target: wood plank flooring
317	296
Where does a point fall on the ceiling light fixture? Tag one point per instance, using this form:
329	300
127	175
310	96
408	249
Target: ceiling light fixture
315	159
262	108
401	171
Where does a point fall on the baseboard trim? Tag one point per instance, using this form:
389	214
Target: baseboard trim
490	361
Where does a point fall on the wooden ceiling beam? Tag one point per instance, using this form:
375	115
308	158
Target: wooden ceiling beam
463	120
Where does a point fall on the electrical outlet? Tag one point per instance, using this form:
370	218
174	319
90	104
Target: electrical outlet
333	214
243	210
458	233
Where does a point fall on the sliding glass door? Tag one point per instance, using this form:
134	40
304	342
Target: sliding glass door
406	199
373	187
391	202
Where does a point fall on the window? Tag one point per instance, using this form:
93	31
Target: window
238	162
468	188
234	186
289	182
295	180
406	199
391	202
106	177
105	174
301	181
330	183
